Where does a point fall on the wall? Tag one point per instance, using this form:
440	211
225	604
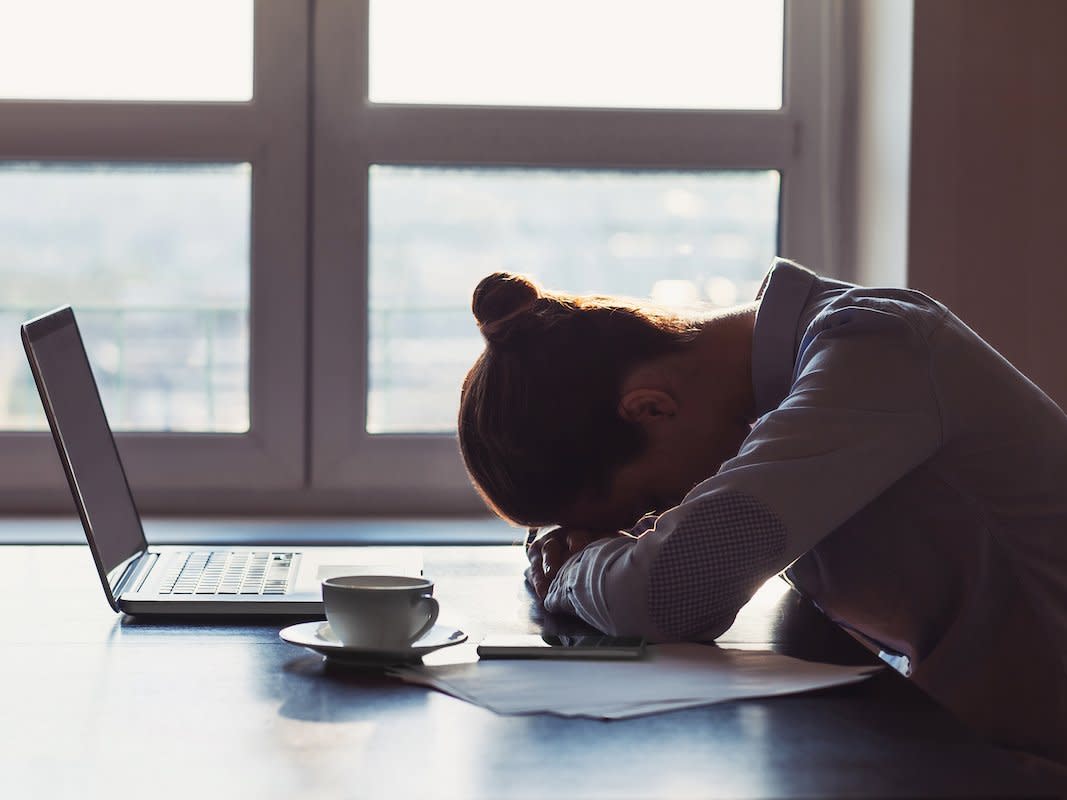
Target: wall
877	120
988	199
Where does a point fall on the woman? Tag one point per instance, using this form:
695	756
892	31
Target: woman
906	477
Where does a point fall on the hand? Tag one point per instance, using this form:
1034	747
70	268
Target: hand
550	551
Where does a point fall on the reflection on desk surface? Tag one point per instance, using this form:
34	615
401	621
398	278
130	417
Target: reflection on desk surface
91	695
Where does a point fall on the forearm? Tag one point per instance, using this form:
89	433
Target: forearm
683	580
583	587
605	586
847	431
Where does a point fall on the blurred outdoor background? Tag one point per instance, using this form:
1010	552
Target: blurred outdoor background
155	261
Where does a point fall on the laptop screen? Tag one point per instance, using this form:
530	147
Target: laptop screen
83	437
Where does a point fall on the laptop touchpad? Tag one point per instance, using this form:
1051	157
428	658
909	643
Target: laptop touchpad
310	580
327	571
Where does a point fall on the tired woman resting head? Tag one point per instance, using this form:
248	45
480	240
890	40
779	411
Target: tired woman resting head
904	476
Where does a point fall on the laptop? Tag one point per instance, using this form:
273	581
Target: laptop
171	580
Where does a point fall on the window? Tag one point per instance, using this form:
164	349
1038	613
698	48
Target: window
164	197
271	247
436	231
161	288
594	54
126	50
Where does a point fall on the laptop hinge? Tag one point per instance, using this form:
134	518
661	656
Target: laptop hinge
135	572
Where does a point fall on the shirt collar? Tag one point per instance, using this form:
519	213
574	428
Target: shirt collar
783	297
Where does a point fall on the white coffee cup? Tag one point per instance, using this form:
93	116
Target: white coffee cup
379	611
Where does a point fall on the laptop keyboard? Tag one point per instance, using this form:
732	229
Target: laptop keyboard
216	572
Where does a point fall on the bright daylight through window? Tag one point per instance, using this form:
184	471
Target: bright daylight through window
126	50
680	238
155	260
274	293
154	256
594	53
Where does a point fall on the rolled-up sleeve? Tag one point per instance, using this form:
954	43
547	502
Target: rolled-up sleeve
861	413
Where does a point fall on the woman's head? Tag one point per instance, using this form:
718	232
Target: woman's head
539	426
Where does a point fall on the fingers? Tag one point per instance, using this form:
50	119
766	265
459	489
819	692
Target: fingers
550	552
547	554
537	580
535	573
553	553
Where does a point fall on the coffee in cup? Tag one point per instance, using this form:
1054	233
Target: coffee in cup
379	611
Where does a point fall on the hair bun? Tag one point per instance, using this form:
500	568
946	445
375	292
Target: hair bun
500	298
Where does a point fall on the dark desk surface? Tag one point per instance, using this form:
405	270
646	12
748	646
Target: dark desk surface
96	704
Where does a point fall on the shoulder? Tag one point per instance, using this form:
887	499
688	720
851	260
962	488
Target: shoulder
870	348
887	311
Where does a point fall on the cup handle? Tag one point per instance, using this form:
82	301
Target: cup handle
433	608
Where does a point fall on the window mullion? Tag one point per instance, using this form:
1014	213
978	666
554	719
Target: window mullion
270	133
568	137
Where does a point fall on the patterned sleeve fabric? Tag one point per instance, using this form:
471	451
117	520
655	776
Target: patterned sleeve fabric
711	564
843	420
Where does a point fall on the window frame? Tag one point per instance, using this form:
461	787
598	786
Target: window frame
270	133
422	472
310	135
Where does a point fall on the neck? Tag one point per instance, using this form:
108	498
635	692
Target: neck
725	344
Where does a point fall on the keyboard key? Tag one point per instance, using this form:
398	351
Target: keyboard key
220	572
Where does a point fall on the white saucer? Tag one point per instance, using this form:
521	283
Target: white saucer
319	637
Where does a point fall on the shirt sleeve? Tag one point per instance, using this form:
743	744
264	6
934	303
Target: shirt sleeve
861	413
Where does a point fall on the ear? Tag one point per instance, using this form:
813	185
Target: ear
647	406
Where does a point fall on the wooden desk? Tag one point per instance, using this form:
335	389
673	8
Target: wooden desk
96	704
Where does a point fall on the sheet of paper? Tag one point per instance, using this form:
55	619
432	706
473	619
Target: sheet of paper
670	676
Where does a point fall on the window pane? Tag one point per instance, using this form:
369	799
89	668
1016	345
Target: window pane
126	49
600	53
154	260
680	237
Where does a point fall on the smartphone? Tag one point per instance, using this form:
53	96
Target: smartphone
534	646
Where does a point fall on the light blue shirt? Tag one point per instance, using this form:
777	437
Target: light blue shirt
904	476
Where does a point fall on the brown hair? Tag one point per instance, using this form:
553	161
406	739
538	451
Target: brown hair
538	419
